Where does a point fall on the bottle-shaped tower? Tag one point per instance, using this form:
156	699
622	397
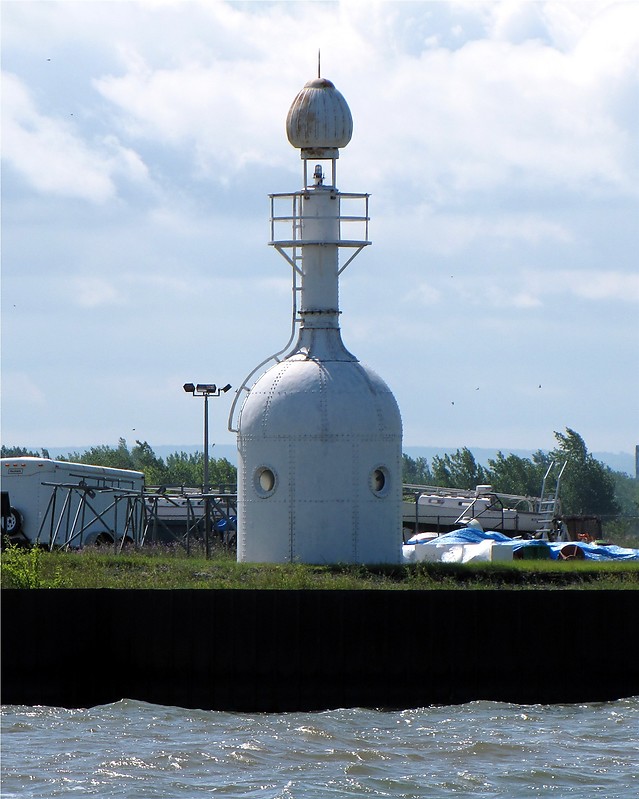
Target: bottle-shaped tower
319	434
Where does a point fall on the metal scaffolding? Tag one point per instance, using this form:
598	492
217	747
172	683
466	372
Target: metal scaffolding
136	518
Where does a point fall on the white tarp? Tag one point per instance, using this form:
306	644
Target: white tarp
448	553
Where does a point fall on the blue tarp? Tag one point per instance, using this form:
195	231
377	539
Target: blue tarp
471	535
222	524
467	535
595	552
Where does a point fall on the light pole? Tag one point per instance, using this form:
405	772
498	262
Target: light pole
206	390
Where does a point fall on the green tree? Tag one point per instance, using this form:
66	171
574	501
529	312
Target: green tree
103	455
626	493
514	475
460	470
184	469
145	460
179	469
188	470
588	486
22	452
415	471
222	472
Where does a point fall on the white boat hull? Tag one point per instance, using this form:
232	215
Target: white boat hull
441	512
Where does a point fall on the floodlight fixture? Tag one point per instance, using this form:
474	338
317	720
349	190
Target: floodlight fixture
206	390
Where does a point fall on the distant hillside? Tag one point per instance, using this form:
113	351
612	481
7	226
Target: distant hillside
619	461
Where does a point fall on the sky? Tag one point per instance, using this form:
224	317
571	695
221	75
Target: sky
498	141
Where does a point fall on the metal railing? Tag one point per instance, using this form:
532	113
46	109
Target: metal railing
294	220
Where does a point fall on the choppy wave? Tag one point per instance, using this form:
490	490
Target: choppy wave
481	749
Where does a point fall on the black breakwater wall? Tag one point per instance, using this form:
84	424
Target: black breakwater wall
310	650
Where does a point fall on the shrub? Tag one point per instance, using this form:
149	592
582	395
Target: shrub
23	568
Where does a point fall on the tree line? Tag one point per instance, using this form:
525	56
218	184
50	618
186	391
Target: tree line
177	469
588	486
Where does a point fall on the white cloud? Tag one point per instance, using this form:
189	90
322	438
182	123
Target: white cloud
19	387
53	156
613	285
197	106
93	292
424	294
455	233
47	152
517	22
510	108
502	117
497	139
526	289
124	161
564	285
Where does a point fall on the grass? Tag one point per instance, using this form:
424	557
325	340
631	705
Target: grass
171	568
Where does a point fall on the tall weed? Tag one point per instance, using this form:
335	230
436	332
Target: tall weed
23	568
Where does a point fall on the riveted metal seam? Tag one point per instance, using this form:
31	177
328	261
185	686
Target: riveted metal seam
355	505
292	499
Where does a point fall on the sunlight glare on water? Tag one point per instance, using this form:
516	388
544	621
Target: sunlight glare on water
481	749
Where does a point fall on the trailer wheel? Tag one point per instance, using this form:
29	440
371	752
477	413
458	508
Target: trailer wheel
13	522
104	539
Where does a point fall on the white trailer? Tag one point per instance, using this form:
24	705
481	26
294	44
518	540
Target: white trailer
60	504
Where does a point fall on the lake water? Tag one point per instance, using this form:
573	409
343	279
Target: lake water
481	749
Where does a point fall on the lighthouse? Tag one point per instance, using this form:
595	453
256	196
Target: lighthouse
319	434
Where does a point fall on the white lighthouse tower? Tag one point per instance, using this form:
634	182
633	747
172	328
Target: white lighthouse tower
319	434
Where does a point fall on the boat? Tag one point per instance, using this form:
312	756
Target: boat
439	510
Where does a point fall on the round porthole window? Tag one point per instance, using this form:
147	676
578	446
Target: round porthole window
264	481
379	481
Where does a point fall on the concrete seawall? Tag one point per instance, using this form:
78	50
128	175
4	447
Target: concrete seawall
311	650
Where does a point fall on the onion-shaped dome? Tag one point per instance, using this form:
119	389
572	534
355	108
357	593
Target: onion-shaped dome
319	118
